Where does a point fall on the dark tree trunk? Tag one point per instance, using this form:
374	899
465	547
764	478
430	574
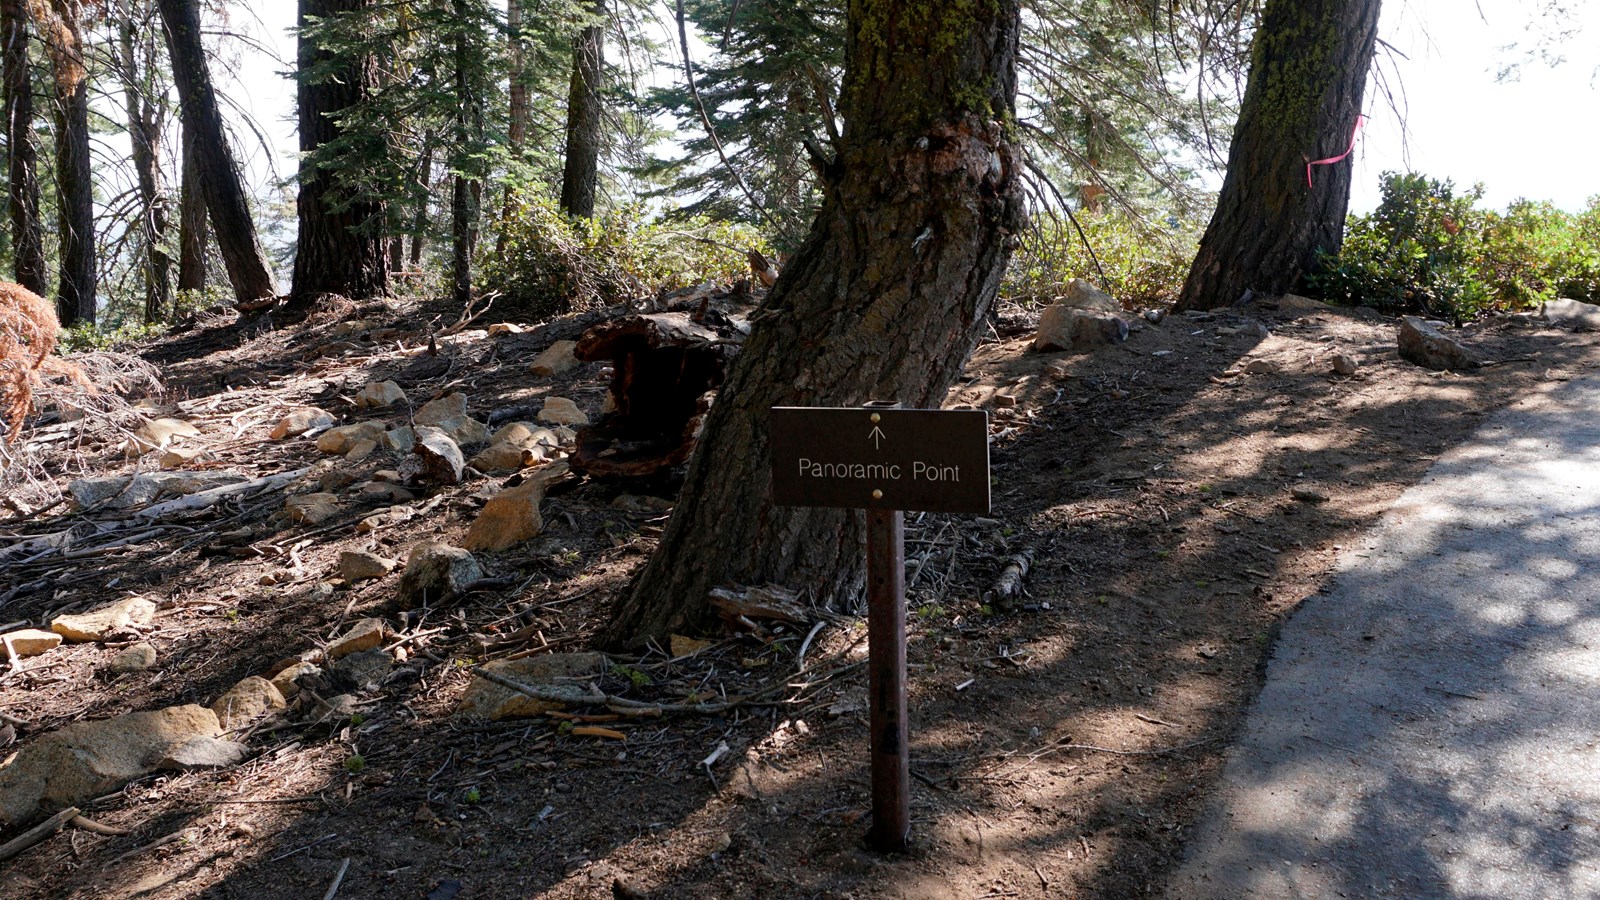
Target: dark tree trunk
424	191
579	177
63	38
1308	70
192	237
467	191
27	237
144	133
341	247
884	300
220	184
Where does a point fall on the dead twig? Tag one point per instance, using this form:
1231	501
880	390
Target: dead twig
37	833
337	879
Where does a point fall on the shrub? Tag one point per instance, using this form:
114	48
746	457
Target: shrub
1144	265
28	327
1427	249
552	264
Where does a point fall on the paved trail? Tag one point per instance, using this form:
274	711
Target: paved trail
1431	727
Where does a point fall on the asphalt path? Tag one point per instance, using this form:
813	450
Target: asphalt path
1430	726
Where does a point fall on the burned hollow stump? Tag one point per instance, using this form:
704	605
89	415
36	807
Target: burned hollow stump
666	365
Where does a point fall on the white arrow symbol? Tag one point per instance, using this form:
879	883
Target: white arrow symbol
876	436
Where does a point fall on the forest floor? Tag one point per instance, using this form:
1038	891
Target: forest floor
1176	509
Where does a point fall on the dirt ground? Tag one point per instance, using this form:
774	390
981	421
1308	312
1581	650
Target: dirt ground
1062	745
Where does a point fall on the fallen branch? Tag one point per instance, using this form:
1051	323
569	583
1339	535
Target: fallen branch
596	697
1009	585
92	826
203	499
37	833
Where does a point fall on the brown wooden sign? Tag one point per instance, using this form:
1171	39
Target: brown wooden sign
928	460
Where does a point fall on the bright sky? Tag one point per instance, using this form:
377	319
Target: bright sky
1526	138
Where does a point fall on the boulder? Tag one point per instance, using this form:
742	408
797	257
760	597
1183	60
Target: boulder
516	446
341	439
486	700
85	760
301	421
358	565
562	411
132	491
117	617
379	394
1081	294
133	658
203	753
31	641
1423	344
363	635
436	457
1574	314
311	509
436	573
1065	328
557	359
252	698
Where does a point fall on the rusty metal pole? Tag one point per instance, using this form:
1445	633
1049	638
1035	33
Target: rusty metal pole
886	666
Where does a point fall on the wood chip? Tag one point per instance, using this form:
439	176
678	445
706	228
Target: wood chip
597	731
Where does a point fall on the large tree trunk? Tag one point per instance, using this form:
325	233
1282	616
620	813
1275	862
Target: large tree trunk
341	247
27	236
420	198
581	174
467	191
62	28
144	133
1308	70
220	183
192	236
884	300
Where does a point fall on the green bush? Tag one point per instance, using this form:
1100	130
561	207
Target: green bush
1428	249
553	264
1143	265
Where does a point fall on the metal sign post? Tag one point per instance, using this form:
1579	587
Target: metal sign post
885	460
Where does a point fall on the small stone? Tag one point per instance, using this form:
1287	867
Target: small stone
443	409
1004	401
363	635
301	421
1422	344
335	480
203	753
341	439
439	457
562	411
251	699
1307	495
389	475
358	565
365	670
486	700
436	573
133	658
32	641
516	446
379	394
401	440
361	450
341	706
1260	367
500	328
509	518
383	490
287	681
181	457
311	509
1155	316
557	359
1344	364
95	626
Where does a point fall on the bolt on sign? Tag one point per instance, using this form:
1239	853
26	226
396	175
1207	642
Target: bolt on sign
883	460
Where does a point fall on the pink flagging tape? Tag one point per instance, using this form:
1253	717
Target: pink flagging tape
1360	120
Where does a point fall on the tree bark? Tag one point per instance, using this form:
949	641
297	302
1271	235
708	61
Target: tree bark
62	30
421	198
581	174
192	236
884	300
341	247
467	191
220	184
27	236
1308	72
144	133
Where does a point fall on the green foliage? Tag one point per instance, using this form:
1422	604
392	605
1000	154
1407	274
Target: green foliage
638	677
1143	266
84	337
552	264
1430	250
